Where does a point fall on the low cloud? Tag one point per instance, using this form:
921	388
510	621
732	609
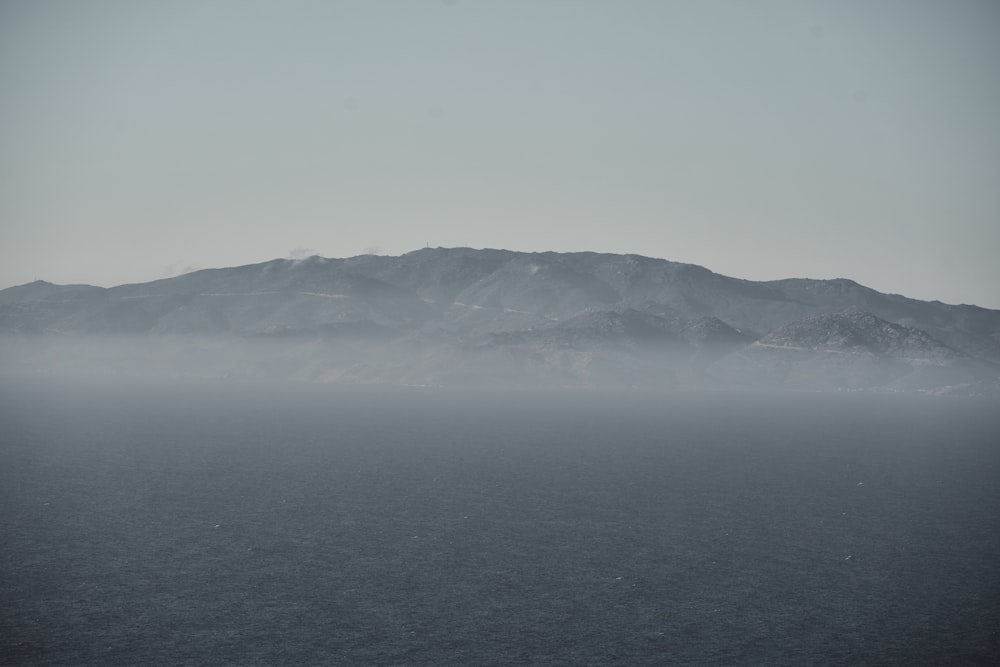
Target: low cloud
302	253
171	270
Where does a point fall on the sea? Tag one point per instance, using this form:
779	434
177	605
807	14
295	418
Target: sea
215	522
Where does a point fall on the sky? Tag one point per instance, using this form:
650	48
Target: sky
858	138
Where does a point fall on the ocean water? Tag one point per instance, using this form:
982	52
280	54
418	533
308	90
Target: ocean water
212	523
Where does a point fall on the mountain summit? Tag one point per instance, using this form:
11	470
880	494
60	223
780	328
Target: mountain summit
461	315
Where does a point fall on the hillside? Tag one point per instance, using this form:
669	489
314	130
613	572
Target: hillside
448	315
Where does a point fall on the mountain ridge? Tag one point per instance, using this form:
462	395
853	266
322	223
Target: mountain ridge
565	311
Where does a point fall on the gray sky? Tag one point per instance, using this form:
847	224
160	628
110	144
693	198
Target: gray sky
760	139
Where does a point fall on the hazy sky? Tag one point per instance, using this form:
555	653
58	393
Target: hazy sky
762	140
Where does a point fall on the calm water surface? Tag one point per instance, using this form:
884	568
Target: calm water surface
215	523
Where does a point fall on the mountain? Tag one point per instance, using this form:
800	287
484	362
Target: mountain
852	349
461	315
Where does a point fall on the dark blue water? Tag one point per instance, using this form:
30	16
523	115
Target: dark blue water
213	524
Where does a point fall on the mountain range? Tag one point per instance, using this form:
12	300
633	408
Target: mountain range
444	316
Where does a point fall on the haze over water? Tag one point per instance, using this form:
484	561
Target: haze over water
147	519
227	523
